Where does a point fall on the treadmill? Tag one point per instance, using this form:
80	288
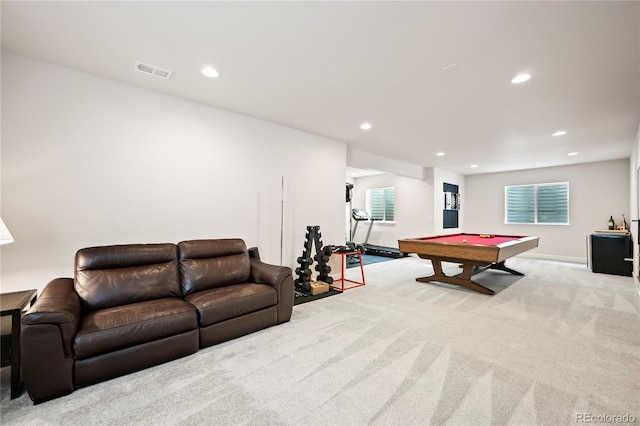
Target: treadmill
360	215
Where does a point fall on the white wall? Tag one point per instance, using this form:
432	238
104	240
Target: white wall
596	191
365	160
634	208
413	209
89	161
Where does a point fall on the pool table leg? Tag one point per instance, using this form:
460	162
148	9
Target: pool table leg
501	266
464	280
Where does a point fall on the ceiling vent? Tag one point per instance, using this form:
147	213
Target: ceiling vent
153	70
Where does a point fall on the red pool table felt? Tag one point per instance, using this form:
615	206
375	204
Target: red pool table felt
494	240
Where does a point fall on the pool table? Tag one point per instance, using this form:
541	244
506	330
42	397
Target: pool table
475	253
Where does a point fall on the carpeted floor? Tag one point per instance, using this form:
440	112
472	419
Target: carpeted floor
549	348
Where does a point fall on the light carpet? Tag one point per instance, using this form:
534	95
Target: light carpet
552	346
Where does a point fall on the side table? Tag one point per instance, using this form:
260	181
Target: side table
342	278
12	305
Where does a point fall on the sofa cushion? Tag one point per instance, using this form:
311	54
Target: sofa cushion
112	276
207	264
223	303
111	329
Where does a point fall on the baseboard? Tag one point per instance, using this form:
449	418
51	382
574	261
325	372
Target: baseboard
542	256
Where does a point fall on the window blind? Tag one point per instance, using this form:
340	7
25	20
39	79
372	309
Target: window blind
382	204
553	206
521	204
540	203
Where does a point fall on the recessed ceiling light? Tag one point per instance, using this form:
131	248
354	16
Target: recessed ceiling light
210	72
440	154
473	166
559	133
365	126
573	153
520	78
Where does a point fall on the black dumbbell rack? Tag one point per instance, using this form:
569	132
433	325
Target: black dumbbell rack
303	282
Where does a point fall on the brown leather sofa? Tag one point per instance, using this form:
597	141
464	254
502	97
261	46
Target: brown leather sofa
130	307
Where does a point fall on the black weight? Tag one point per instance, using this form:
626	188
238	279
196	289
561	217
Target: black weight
305	271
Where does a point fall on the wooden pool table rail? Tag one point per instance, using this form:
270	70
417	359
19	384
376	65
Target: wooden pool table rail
473	252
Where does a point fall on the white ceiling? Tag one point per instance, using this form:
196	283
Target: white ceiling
325	67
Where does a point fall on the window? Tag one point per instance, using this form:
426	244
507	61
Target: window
381	203
546	203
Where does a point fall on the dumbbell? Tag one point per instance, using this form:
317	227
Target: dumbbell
322	258
305	271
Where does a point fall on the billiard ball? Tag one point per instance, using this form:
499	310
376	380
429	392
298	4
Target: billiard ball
464	240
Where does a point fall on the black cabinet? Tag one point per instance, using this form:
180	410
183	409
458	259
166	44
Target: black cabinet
608	254
451	206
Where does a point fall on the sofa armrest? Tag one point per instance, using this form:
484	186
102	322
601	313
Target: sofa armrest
254	252
48	329
280	278
59	305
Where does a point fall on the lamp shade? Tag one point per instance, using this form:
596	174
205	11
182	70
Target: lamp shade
5	235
